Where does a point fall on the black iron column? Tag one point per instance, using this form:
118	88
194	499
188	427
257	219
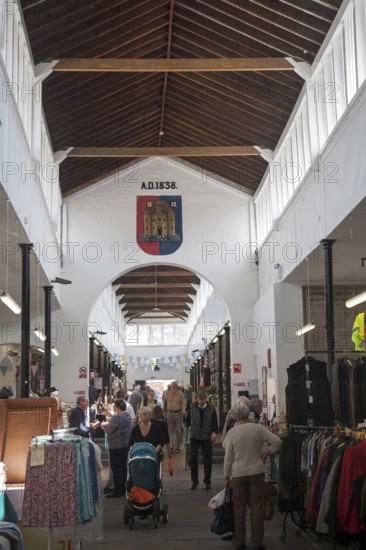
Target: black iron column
91	354
227	368
100	349
25	331
329	306
47	333
221	384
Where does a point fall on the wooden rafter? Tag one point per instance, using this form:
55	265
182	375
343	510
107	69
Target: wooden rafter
106	65
120	152
170	273
158	285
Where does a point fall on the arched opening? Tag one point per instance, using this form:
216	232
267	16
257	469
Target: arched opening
173	329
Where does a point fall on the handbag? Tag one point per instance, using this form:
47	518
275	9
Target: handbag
170	466
268	510
224	516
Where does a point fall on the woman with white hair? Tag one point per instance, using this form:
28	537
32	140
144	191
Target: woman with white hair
231	417
146	431
244	467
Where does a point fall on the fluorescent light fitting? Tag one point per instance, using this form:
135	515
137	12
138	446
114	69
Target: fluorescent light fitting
55	351
40	349
10	302
305	328
39	334
355	300
61	281
215	340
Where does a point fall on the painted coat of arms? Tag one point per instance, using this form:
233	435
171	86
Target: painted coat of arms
159	224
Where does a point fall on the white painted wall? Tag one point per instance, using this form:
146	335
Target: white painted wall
21	178
101	225
324	200
278	314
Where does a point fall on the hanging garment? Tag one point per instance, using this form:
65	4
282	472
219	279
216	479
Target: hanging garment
50	498
358	332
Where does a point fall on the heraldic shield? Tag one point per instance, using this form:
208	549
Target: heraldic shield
159	224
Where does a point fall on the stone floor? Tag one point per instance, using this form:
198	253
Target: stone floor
189	521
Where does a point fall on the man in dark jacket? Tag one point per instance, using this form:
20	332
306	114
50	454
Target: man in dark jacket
202	419
78	418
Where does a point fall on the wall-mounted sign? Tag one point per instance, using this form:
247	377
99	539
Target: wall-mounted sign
237	368
83	372
159	230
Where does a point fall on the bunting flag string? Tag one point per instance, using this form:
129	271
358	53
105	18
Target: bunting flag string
140	361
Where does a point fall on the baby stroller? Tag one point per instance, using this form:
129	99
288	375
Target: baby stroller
143	486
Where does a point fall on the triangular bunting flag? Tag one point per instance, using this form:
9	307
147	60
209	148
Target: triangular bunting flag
34	369
3	369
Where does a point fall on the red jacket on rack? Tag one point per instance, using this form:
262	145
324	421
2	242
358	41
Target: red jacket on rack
353	468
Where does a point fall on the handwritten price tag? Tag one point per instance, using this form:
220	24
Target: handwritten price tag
37	455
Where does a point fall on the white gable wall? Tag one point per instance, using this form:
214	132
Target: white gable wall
100	244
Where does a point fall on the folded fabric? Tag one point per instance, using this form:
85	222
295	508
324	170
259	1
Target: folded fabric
7	511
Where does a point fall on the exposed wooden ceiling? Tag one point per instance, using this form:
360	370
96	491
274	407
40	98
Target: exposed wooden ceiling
193	79
157	292
198	91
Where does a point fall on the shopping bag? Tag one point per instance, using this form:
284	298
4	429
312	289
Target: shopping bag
170	466
217	500
268	510
224	516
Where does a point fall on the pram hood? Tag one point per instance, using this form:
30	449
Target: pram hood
143	466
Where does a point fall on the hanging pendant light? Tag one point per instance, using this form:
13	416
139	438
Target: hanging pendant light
4	294
355	300
309	326
10	302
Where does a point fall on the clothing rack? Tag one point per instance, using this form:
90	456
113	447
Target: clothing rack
344	351
308	427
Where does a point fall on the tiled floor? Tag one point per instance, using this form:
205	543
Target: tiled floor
189	522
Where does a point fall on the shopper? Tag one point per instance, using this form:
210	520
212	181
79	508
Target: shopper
202	419
175	409
146	431
157	416
118	430
78	418
136	398
150	400
244	467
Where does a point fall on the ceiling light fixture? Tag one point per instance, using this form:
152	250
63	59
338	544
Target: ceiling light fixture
4	294
305	329
355	300
156	308
309	326
61	281
55	351
10	302
39	334
37	330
